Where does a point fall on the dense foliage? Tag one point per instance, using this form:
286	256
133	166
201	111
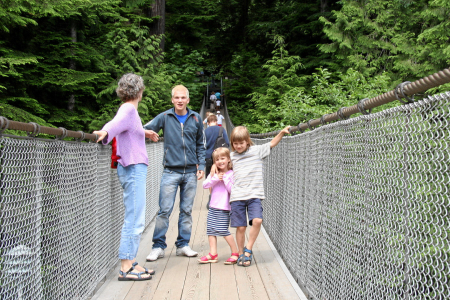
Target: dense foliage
287	61
43	66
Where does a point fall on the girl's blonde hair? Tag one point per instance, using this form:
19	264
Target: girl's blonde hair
222	151
240	134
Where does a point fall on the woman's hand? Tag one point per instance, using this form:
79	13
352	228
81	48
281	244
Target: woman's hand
101	135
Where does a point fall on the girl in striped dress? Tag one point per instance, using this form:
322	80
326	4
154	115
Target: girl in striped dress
218	219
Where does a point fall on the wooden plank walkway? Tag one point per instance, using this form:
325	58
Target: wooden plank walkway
180	277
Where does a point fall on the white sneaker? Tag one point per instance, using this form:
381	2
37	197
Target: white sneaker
186	251
155	254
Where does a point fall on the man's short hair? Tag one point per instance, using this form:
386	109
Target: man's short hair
212	119
180	88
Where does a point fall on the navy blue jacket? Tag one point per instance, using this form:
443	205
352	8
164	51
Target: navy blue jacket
184	146
211	134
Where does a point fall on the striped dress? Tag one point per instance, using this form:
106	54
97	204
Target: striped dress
217	222
218	219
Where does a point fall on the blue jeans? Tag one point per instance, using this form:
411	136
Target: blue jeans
170	182
133	180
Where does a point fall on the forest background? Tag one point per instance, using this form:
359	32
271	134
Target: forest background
285	61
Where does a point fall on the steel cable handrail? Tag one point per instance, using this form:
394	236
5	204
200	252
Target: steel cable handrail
407	89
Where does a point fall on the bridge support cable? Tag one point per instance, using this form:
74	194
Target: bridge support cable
403	91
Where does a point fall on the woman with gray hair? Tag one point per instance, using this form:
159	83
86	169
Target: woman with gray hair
126	126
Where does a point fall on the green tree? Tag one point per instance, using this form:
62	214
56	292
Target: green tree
378	36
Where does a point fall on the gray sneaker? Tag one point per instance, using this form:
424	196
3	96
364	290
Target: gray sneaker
155	254
186	251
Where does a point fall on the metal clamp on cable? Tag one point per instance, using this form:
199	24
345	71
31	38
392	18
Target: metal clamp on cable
340	114
291	129
309	125
322	119
36	130
63	135
4	122
95	139
83	135
361	107
400	88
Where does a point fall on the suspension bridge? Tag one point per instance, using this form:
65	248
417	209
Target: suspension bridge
355	209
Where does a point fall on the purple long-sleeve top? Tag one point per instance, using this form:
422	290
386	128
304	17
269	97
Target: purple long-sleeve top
130	135
221	189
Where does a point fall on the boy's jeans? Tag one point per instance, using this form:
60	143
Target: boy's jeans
169	185
133	180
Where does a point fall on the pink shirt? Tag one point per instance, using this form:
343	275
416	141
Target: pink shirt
221	189
127	128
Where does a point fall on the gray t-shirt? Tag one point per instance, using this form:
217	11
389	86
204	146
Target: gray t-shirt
248	173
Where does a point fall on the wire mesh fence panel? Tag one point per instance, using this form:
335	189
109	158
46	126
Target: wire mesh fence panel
360	209
61	216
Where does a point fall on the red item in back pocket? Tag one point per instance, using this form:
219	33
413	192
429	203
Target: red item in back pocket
114	156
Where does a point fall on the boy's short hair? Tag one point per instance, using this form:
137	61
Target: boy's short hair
240	133
180	88
222	151
211	119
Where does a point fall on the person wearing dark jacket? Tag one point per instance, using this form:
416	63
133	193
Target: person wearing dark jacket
184	164
211	134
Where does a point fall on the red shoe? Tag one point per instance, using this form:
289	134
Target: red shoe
231	260
209	259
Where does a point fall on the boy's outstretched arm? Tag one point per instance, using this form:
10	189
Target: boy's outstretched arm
279	136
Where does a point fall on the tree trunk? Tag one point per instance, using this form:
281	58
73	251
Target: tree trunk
158	27
244	17
323	6
72	64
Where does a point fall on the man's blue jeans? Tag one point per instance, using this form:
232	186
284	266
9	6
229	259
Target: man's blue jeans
170	182
133	180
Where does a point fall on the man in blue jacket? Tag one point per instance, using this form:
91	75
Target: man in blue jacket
184	164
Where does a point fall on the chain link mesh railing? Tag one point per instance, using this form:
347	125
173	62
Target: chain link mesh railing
360	209
61	216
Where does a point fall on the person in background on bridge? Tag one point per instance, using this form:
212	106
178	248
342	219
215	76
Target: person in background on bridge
220	118
248	189
184	164
218	218
212	99
218	104
211	134
218	95
126	126
208	113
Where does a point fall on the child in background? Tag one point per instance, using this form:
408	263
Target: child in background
220	118
218	219
208	113
248	189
